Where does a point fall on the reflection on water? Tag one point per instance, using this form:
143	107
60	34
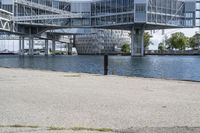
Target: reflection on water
169	67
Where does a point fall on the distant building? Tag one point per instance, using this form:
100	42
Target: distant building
109	41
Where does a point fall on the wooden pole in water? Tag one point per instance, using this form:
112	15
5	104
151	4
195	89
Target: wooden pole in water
105	64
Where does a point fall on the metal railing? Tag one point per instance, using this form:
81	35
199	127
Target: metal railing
45	17
41	6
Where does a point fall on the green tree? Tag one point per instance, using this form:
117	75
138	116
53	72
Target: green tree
178	41
167	42
147	40
161	46
126	48
194	41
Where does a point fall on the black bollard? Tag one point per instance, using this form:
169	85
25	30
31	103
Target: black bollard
105	64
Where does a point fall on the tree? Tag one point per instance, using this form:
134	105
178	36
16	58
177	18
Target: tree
147	40
194	41
178	41
161	46
167	43
126	48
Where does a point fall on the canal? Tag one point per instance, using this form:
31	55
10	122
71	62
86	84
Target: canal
166	67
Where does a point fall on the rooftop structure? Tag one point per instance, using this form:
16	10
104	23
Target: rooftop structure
33	18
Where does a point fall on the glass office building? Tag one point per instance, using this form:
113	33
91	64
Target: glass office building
160	12
110	13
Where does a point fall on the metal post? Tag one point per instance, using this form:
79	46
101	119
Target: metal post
105	64
74	40
31	46
46	47
53	47
20	45
132	41
30	42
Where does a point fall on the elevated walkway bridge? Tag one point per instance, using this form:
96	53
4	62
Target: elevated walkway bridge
32	18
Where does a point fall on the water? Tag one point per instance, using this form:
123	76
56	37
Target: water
167	67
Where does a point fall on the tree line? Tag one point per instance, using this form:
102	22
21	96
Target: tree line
178	41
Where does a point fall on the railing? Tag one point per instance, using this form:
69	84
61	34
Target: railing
45	17
5	15
5	20
41	6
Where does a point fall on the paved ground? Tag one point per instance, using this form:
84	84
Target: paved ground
128	105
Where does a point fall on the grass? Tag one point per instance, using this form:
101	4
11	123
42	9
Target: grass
2	126
91	129
56	128
60	128
20	126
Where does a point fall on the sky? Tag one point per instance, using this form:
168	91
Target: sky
158	37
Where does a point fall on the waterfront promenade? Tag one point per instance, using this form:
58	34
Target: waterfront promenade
48	102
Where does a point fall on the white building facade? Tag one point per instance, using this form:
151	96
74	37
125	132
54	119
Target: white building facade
103	41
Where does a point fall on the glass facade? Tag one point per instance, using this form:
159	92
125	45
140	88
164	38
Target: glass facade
168	12
160	12
45	9
105	13
198	13
112	12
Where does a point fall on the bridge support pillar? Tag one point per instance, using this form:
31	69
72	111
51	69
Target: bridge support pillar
31	46
70	49
20	45
46	48
137	42
53	47
74	40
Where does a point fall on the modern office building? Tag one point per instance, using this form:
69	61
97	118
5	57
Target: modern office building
33	17
102	41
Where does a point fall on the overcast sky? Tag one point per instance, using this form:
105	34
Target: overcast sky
158	37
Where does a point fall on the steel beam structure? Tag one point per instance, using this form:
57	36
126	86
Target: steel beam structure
32	4
46	17
5	21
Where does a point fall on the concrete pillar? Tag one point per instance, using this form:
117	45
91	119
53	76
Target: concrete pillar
137	42
74	40
53	47
70	45
31	46
70	49
20	45
46	47
66	48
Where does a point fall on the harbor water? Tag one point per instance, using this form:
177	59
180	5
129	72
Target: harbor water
165	67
